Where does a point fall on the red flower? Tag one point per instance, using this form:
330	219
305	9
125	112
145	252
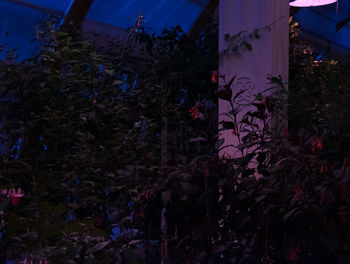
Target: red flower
344	189
344	218
322	198
98	221
323	169
164	248
139	20
206	170
264	100
293	253
346	162
285	132
144	194
214	77
15	201
317	144
194	112
141	213
297	192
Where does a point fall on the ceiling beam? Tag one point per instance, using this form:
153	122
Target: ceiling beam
198	25
76	15
198	2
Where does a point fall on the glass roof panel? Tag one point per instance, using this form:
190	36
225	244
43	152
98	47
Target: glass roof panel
158	14
18	35
322	21
57	5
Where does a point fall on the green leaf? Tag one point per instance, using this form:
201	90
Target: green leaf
256	33
235	48
228	125
247	45
225	94
288	215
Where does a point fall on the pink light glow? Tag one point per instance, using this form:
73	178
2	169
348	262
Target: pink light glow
309	3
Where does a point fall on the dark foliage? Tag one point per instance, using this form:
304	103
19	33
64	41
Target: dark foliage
101	143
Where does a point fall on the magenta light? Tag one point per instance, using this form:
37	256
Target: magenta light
309	3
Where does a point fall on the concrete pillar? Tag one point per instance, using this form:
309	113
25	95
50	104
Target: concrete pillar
269	54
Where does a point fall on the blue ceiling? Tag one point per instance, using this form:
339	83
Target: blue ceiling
322	21
60	5
17	29
18	19
158	14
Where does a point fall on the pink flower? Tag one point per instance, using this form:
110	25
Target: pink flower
139	20
14	195
25	261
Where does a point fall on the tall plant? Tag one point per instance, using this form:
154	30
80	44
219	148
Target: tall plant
85	160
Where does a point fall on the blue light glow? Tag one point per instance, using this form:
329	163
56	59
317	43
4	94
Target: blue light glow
115	232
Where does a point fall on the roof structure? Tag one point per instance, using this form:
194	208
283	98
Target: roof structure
19	19
158	14
319	26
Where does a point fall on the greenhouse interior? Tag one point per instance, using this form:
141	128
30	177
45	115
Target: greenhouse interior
175	131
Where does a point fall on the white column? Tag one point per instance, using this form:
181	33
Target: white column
269	55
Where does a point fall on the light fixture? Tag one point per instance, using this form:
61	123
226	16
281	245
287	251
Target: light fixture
310	3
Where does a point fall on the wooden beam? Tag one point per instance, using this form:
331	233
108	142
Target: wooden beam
208	10
76	15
